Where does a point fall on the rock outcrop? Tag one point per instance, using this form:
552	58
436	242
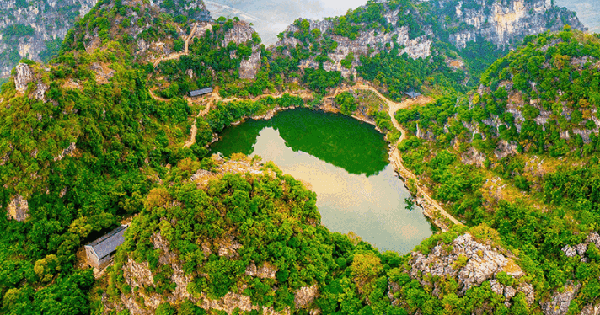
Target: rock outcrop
24	75
561	299
470	263
505	23
242	33
369	42
33	25
18	208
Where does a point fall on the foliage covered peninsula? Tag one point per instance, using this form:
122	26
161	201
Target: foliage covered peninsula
100	136
520	154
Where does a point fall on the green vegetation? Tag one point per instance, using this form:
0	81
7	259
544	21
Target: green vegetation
100	149
539	209
18	30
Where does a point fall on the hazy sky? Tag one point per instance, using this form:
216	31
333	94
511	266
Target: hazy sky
271	17
588	12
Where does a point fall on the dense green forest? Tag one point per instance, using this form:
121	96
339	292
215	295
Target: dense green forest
94	150
547	194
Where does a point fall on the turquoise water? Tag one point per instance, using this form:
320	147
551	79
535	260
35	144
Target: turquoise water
346	163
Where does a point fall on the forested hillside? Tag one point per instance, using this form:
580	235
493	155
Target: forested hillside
428	46
35	29
99	137
520	155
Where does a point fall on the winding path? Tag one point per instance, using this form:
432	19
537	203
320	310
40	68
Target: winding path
181	53
430	206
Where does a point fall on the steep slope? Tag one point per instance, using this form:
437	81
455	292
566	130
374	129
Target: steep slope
542	97
85	144
500	155
82	141
243	237
35	29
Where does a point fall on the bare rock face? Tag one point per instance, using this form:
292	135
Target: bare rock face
24	76
505	149
503	22
305	296
591	310
560	301
49	20
142	302
241	33
249	68
18	208
68	151
367	42
138	274
40	91
472	156
470	263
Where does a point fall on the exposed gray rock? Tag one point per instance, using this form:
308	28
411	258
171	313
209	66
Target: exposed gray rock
594	238
503	22
569	251
24	76
472	156
18	208
305	296
50	20
581	249
560	301
70	149
481	263
591	310
505	149
370	39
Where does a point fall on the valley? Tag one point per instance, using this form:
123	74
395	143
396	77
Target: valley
402	157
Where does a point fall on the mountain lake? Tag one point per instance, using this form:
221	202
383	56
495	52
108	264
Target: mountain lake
345	161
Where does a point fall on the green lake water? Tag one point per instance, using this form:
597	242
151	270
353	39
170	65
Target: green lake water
346	162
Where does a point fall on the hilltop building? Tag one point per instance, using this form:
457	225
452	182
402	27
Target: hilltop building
413	94
99	252
201	92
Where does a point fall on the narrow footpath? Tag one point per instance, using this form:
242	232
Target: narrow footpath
177	55
431	207
423	196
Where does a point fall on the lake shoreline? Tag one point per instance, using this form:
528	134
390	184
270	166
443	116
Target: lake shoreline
421	196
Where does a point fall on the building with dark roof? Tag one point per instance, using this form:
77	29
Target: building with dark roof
200	92
99	252
413	94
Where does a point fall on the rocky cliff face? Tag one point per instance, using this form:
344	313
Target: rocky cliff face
34	30
502	23
368	42
242	33
470	263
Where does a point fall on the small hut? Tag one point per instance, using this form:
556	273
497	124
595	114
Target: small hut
99	252
201	92
413	94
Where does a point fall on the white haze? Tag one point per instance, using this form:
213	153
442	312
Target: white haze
271	17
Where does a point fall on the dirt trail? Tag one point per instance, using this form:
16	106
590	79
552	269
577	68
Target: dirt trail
423	194
194	128
430	206
178	54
